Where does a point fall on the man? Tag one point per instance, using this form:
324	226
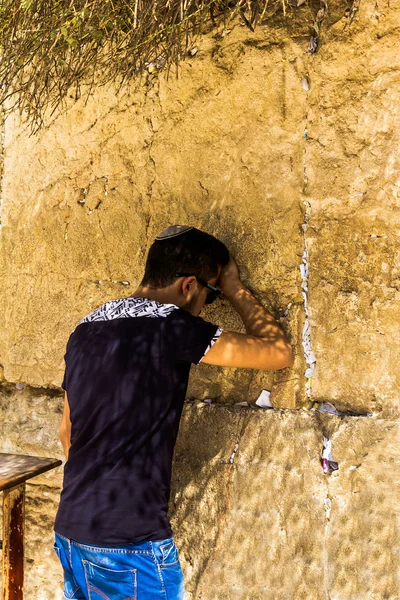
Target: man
127	369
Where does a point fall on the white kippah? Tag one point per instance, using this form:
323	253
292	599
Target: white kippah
173	231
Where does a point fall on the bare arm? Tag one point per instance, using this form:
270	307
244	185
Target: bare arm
265	346
65	428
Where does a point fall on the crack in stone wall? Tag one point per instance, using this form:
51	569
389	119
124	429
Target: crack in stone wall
306	336
2	143
304	268
328	508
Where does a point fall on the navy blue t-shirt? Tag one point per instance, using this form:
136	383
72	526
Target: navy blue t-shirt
127	369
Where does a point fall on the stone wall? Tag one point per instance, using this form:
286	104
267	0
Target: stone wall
291	160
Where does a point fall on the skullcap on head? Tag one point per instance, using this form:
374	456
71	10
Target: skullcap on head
173	231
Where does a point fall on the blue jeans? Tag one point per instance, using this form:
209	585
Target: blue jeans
140	571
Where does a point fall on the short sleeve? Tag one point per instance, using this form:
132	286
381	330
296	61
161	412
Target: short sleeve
191	337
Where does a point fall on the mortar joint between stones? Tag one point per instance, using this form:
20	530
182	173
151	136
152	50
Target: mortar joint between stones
304	272
2	151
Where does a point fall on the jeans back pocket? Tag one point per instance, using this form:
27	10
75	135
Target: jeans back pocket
110	584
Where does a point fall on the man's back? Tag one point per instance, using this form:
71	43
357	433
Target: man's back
127	368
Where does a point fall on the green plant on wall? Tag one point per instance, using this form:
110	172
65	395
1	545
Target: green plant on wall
51	48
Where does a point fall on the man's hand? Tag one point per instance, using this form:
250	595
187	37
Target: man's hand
229	278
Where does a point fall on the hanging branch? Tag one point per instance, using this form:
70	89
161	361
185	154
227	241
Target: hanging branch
48	47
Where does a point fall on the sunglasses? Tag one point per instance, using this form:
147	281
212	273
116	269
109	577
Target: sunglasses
212	295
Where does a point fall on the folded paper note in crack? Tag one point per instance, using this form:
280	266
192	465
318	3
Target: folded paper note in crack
263	399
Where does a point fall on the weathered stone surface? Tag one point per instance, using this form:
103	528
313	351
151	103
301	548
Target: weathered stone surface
233	146
247	502
95	188
363	534
257	524
29	424
352	164
238	515
140	161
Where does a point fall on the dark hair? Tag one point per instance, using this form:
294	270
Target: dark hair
194	252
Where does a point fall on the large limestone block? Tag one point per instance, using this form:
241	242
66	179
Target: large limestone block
256	518
252	512
247	501
29	424
363	532
221	147
352	165
355	313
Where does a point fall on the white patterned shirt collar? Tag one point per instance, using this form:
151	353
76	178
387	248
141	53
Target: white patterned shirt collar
125	308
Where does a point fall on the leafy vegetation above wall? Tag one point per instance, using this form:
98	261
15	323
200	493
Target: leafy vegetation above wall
52	47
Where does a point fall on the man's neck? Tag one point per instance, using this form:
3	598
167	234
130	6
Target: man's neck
163	295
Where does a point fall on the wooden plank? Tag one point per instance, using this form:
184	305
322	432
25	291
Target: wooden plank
17	468
13	543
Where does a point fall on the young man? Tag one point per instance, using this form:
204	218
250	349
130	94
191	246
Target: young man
127	369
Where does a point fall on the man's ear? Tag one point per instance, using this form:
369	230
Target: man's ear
188	285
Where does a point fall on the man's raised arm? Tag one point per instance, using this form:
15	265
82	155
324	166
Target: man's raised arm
263	346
